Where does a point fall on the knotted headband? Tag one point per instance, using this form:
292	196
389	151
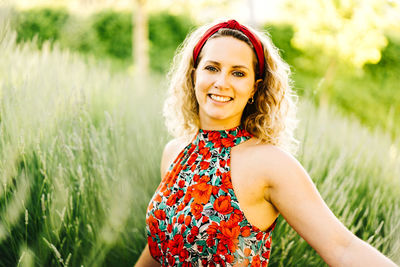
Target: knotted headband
233	24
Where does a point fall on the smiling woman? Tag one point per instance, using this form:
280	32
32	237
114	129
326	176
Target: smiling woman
224	82
229	173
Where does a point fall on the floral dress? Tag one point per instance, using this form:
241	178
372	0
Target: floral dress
194	218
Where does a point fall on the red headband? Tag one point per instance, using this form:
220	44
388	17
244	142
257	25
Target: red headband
233	24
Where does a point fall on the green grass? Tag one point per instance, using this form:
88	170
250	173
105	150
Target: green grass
79	161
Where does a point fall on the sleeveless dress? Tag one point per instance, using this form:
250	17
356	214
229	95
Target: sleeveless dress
194	217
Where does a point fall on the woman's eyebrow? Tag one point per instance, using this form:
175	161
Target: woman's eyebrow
240	66
219	64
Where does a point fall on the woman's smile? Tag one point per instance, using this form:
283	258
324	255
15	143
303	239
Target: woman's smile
220	98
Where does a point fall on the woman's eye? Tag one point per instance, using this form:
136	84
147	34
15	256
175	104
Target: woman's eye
238	73
210	68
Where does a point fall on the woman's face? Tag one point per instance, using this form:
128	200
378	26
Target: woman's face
224	82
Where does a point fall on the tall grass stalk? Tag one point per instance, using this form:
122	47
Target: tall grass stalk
79	161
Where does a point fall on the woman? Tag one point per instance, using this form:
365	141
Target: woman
231	107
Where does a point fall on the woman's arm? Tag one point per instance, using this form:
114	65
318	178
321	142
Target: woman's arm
292	192
146	260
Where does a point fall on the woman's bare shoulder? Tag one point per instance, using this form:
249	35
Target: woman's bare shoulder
172	150
269	160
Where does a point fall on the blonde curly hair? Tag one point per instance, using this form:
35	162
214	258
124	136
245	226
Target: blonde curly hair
271	118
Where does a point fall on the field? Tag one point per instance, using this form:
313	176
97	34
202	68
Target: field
79	161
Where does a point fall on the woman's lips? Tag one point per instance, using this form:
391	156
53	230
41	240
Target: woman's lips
220	98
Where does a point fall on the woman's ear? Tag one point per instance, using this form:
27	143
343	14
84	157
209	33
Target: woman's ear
257	85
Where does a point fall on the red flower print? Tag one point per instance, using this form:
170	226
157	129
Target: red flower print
201	192
188	219
181	218
229	234
186	264
256	261
166	193
236	216
245	231
218	260
175	245
196	210
180	193
160	214
215	190
205	151
205	179
164	245
171	260
212	229
196	178
222	163
259	235
180	207
158	198
223	205
201	144
200	248
153	224
190	238
221	248
229	258
213	135
268	243
265	255
218	143
153	247
188	195
183	254
226	181
204	219
204	262
162	236
183	229
192	159
172	199
204	165
169	228
181	183
227	142
210	242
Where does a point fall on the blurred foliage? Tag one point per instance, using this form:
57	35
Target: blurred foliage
370	93
44	23
350	31
114	33
166	32
106	34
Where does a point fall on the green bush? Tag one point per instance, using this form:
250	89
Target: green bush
281	36
44	23
114	33
166	32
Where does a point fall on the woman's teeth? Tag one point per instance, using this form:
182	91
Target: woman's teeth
220	98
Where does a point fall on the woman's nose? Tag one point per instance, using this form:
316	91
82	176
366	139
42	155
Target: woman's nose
221	80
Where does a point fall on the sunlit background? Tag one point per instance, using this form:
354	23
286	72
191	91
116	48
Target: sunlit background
82	84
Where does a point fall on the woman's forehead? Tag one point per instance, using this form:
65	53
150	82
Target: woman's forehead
228	50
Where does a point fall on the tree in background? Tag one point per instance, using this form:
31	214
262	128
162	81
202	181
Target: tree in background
140	41
348	32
